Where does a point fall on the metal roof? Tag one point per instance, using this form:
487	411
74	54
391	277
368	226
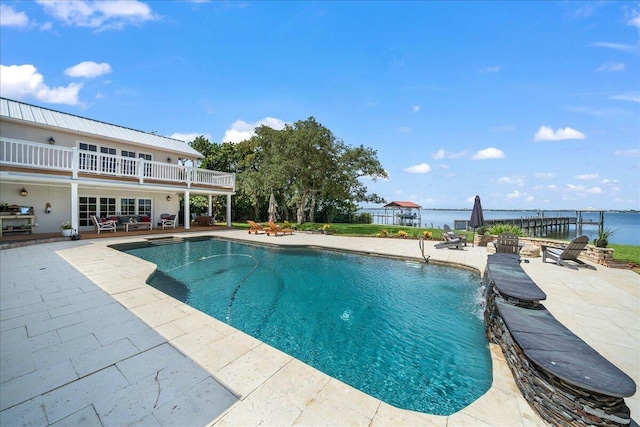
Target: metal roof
402	205
20	111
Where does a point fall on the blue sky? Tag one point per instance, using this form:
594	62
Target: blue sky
531	105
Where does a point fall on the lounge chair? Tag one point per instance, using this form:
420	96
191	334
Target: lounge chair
569	253
451	242
107	225
256	228
168	222
275	229
507	243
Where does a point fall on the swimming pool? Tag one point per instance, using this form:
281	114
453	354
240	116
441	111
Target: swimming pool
409	334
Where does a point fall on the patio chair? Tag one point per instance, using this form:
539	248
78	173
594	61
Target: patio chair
108	225
507	243
163	217
451	242
256	228
275	229
454	235
168	222
569	253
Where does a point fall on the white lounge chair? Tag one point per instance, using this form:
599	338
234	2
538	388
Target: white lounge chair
168	222
108	225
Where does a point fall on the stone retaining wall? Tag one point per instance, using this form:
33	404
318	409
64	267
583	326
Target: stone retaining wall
556	401
533	246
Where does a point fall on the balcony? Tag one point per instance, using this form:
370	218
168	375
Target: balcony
26	156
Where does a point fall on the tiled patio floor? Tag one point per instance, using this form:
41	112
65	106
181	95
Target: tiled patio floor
85	341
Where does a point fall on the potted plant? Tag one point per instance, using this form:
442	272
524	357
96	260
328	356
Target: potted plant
603	237
66	228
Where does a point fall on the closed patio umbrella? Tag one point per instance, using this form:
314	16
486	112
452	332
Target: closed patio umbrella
477	218
272	208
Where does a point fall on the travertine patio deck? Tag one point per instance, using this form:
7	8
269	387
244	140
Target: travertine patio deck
83	340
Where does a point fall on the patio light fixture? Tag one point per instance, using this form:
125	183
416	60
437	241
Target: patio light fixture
52	141
168	198
24	192
168	159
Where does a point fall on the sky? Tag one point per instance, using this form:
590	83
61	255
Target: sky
530	105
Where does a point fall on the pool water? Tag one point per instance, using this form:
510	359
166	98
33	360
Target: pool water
408	334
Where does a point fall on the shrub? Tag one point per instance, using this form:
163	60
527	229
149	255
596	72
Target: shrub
402	233
383	233
505	228
363	218
427	234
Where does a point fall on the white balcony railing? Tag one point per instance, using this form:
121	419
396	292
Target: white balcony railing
27	154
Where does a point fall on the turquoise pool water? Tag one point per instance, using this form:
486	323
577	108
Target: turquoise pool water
409	334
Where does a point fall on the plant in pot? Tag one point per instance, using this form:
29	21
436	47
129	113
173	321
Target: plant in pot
603	237
66	228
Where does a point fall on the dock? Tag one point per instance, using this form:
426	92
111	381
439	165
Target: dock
536	225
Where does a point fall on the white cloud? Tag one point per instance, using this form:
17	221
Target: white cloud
241	130
618	46
104	14
595	190
633	18
441	154
503	128
572	187
611	66
490	69
627	153
546	133
545	175
189	137
515	195
421	168
628	96
88	69
489	153
9	17
552	187
587	176
511	180
415	108
24	81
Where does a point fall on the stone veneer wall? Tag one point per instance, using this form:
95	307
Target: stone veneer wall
533	247
556	401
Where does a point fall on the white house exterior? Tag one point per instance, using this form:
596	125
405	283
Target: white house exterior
73	167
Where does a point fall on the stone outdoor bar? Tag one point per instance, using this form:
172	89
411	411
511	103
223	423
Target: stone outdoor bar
565	380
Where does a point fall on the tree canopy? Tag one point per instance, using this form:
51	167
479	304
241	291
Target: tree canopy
313	174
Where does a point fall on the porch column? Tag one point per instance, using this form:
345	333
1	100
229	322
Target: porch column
210	202
74	207
187	211
228	210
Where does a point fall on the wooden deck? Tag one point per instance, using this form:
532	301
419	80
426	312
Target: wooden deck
24	239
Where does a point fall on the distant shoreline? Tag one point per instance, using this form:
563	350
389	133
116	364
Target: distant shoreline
517	210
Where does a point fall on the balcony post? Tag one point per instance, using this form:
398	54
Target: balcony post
228	210
75	162
140	170
187	211
74	207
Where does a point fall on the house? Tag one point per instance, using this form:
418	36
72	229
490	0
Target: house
57	167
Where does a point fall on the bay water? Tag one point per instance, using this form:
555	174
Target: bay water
626	225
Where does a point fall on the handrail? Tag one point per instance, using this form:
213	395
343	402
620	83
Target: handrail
14	152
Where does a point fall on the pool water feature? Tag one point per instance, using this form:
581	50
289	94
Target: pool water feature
408	334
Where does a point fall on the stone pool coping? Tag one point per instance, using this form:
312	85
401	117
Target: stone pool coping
276	389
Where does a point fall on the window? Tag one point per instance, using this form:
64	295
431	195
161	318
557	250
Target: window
128	165
144	207
88	158
107	207
108	162
147	166
87	206
128	206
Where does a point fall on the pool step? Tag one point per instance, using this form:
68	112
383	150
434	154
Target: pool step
165	241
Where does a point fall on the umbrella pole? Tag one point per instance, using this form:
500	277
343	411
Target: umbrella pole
473	238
